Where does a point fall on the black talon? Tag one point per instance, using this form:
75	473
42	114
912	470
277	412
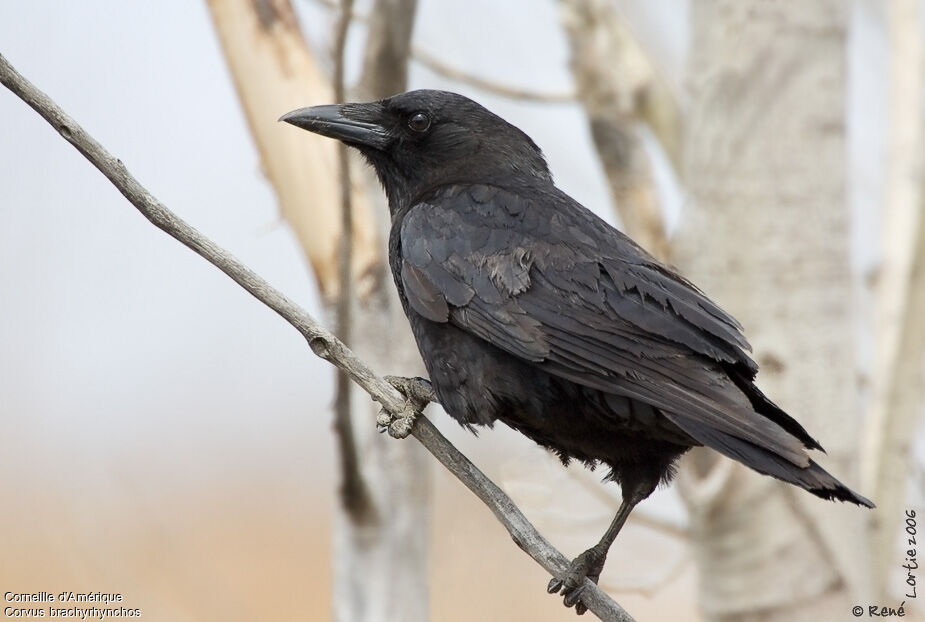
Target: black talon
555	584
574	597
572	584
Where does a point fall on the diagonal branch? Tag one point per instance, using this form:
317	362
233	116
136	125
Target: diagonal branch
322	342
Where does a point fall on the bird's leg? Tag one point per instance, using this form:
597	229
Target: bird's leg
590	563
418	394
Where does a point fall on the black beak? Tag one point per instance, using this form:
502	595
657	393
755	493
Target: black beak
343	122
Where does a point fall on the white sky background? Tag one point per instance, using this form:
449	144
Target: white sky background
127	361
121	349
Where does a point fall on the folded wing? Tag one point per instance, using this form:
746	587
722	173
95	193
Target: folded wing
544	279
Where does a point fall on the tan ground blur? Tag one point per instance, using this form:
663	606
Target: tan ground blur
262	553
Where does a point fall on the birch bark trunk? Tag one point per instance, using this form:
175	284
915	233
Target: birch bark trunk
899	324
622	96
380	556
765	232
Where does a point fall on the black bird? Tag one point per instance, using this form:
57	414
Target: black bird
530	310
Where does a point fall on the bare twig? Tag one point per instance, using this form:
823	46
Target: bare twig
354	494
456	74
489	86
322	342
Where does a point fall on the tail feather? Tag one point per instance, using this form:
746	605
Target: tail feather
813	477
769	409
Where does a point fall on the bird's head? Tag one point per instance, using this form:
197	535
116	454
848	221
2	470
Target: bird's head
421	140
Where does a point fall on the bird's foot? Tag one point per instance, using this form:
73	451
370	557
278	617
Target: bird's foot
418	394
572	582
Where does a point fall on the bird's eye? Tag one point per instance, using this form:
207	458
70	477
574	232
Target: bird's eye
419	122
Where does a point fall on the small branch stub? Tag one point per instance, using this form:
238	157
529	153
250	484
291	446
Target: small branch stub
320	347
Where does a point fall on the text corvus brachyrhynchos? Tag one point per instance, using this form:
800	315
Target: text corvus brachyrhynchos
530	310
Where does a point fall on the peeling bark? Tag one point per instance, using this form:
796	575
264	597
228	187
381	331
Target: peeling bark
274	72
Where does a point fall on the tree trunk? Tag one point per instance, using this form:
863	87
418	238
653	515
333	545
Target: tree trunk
380	556
899	328
381	570
766	234
620	92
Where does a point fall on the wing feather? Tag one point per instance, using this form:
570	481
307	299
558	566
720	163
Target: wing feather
547	281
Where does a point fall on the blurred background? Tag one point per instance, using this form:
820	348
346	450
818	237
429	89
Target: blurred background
166	436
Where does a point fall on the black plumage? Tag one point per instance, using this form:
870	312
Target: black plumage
530	310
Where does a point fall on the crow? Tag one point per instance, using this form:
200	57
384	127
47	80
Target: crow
529	309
